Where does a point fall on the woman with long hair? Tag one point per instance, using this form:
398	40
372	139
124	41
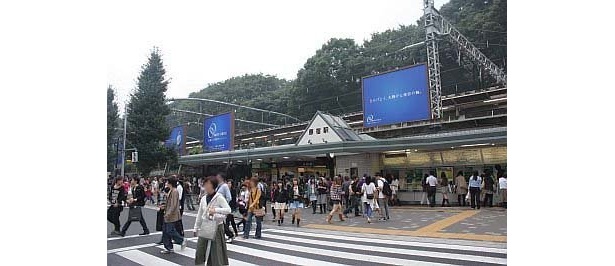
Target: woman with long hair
254	208
279	198
461	188
444	189
475	182
213	208
242	203
312	193
336	199
322	195
274	187
296	201
368	190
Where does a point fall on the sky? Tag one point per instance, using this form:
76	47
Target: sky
204	42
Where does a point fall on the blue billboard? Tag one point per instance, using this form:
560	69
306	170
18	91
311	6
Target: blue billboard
219	133
177	140
395	97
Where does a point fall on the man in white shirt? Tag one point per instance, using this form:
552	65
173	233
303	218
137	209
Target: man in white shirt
382	199
432	181
502	187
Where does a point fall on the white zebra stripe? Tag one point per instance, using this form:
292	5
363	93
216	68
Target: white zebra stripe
145	259
191	253
374	247
395	242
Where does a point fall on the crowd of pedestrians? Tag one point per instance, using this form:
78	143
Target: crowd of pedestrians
220	202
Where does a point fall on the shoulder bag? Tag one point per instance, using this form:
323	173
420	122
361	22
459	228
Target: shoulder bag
134	214
209	226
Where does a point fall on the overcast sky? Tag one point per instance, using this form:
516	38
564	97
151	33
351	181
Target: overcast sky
209	41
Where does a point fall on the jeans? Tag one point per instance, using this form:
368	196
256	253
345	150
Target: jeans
384	202
354	204
475	197
168	233
248	226
368	209
431	196
189	202
142	222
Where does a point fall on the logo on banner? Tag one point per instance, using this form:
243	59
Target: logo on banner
178	139
211	132
370	119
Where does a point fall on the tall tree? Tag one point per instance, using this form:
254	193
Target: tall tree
146	112
112	117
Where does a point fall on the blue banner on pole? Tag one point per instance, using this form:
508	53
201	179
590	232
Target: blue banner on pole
177	140
395	97
219	133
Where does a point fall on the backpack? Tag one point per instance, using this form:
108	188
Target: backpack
386	188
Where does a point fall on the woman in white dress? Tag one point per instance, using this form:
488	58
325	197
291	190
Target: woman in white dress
369	195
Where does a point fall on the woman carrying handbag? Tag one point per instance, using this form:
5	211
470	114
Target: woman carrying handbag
209	227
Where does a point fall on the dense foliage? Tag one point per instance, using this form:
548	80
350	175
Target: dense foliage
146	111
112	118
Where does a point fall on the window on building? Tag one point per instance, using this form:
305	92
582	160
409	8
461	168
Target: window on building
311	132
325	130
318	131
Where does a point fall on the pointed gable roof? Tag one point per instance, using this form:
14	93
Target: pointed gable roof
337	125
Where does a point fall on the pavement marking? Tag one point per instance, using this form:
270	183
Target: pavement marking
135	236
191	253
276	256
365	230
156	209
397	242
376	248
446	222
144	258
130	248
345	255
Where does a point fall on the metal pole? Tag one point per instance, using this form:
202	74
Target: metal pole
124	145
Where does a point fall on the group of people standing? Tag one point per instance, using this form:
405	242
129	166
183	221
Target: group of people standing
469	190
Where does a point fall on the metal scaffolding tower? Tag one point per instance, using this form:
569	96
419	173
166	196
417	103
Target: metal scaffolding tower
436	26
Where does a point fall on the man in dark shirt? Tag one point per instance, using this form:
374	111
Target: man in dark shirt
137	201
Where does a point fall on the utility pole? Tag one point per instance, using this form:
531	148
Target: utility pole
124	145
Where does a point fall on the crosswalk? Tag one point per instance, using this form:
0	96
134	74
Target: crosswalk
285	247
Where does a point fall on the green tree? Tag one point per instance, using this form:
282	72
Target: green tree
146	112
112	117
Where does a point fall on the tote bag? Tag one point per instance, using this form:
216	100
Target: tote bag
209	225
134	214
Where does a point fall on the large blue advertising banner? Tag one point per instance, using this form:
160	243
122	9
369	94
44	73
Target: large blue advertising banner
219	133
395	97
177	140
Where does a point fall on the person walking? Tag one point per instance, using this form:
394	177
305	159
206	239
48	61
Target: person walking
135	204
461	188
213	209
296	204
502	188
425	186
223	189
117	195
475	182
488	188
368	190
355	197
322	195
242	203
312	193
274	187
394	188
230	218
280	197
189	194
444	189
432	182
346	192
171	217
336	199
254	210
384	192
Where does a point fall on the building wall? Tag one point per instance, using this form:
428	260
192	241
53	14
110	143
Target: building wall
366	163
319	123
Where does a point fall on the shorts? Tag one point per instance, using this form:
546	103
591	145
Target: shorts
296	205
279	205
